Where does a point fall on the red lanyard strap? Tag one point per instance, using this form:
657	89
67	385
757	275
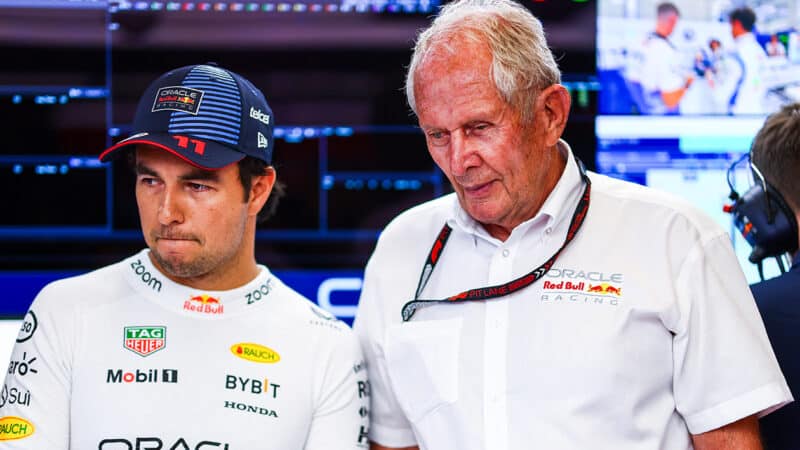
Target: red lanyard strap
500	290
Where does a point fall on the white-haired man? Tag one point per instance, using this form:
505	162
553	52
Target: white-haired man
538	306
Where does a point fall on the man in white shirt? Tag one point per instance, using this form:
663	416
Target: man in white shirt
746	89
189	344
539	306
656	69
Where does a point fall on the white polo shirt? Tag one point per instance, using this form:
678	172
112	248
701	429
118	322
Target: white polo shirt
643	332
122	358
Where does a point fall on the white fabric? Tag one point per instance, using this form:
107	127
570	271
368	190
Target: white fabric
752	90
679	348
658	70
87	394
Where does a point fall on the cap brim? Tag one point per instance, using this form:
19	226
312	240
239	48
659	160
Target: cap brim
201	153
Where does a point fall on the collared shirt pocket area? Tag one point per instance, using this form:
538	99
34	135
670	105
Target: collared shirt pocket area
422	358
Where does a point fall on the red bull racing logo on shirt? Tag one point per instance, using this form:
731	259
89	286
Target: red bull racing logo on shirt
204	304
582	286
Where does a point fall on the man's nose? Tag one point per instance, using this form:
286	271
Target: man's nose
463	153
170	210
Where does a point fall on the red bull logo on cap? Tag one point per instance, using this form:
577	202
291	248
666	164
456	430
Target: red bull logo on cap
204	304
177	98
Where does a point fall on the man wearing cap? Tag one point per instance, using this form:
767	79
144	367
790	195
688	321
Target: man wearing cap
189	344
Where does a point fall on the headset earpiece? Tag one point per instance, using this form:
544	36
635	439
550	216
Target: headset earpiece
766	222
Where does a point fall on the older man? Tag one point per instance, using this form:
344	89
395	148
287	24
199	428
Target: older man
539	306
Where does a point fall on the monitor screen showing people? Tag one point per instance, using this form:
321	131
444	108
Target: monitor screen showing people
697	57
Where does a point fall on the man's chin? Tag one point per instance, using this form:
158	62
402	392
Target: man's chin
177	265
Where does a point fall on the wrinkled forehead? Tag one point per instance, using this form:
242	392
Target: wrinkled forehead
452	57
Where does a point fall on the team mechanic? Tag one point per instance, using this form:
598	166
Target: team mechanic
541	307
189	344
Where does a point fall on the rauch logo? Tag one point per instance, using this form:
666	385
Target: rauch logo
256	353
145	341
14	428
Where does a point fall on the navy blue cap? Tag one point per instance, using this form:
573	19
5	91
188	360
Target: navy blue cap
204	114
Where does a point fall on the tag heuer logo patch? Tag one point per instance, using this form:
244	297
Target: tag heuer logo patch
145	341
178	98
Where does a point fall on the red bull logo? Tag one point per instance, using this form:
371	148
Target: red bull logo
604	288
564	285
204	299
204	304
187	100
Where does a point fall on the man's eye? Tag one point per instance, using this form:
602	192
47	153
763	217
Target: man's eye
479	128
438	137
198	187
148	181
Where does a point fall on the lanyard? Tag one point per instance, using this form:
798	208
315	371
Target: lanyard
500	290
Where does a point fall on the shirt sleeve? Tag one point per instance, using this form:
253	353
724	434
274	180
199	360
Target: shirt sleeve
35	400
724	366
341	416
389	426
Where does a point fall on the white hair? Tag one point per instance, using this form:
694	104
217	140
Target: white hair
522	63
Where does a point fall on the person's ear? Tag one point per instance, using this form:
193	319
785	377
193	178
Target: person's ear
553	105
260	189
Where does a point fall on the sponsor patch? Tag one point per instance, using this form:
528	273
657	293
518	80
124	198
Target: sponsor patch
145	276
141	443
22	366
12	427
204	304
29	325
581	286
251	409
255	353
262	141
149	376
14	396
251	385
145	341
257	114
257	294
178	98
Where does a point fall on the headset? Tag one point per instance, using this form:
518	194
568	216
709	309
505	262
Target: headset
763	218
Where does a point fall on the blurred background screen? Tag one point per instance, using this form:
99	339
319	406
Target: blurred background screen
347	145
